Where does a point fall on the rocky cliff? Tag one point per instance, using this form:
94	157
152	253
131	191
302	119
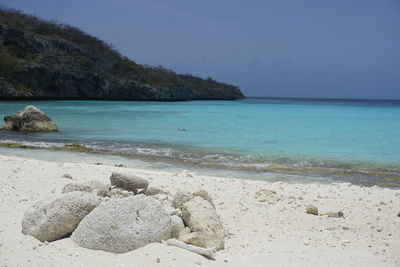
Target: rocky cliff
46	60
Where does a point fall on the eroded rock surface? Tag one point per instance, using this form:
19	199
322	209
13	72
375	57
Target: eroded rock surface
30	119
125	224
89	186
182	197
268	196
129	182
177	226
53	218
204	222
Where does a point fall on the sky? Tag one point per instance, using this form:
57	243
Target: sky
271	48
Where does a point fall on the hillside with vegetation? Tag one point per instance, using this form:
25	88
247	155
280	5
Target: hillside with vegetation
47	60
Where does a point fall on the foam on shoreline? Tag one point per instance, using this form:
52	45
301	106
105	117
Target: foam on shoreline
363	175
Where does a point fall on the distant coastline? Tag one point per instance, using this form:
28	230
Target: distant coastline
333	100
44	60
28	99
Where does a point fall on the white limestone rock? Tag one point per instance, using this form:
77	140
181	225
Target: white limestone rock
204	222
181	198
266	195
89	186
53	218
124	224
128	182
177	226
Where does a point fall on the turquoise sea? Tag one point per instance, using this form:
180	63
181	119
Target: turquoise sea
346	140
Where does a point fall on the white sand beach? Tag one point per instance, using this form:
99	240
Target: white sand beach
258	233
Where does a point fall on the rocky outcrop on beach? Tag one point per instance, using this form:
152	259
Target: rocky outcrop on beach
46	60
126	216
205	225
177	225
54	218
181	198
125	224
30	119
92	186
128	182
258	231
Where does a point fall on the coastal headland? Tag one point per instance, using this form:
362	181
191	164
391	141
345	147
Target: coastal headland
40	59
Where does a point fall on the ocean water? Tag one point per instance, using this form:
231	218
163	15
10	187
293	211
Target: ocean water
352	140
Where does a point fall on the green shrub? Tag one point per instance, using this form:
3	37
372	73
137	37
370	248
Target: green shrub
8	65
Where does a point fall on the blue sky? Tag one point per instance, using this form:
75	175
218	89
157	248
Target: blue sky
277	48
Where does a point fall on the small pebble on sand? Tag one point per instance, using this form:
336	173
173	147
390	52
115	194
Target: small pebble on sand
345	241
311	209
67	176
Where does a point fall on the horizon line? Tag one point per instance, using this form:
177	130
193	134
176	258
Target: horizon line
323	98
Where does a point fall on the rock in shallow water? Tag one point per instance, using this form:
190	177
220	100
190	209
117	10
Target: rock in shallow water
30	119
53	218
122	225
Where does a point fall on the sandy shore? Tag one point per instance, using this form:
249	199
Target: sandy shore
259	233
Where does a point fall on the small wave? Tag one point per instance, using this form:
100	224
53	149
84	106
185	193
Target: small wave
349	171
31	143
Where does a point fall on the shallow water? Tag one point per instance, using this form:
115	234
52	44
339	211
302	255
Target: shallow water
358	140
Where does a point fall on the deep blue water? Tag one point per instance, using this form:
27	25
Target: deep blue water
253	134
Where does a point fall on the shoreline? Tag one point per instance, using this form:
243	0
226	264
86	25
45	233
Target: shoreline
280	233
384	177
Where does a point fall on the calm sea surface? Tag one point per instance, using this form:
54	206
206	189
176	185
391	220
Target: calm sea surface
355	140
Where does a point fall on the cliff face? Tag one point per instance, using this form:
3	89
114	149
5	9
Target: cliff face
64	63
